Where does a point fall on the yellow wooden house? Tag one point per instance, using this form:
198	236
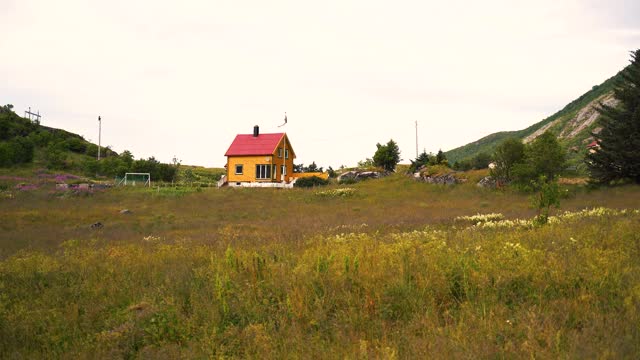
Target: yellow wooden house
259	158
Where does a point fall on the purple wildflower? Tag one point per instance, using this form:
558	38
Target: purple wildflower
26	187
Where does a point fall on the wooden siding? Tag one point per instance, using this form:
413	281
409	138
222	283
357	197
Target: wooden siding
248	167
281	160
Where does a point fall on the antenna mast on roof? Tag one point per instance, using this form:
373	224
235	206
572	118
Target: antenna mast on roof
283	170
285	120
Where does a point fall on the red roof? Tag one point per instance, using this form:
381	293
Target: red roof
594	143
247	144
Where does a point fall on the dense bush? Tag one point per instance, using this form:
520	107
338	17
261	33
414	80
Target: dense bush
507	155
90	167
76	145
55	156
159	171
113	166
311	181
480	161
387	156
12	125
6	155
118	165
18	150
41	138
544	156
347	181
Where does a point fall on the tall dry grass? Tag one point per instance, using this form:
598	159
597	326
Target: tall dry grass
384	273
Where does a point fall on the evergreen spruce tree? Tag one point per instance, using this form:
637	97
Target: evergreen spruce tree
440	157
422	159
618	155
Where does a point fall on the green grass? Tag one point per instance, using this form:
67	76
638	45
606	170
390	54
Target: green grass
386	272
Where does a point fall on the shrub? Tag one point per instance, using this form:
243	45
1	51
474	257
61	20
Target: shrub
76	145
311	181
158	170
347	181
481	161
331	172
113	166
55	157
6	155
548	195
92	150
387	156
507	155
16	151
90	167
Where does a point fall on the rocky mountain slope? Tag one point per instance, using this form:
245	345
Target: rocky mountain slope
573	126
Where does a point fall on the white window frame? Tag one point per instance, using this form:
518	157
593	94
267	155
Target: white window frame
283	170
280	152
263	171
241	169
286	153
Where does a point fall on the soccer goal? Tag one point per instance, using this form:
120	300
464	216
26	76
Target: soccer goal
135	179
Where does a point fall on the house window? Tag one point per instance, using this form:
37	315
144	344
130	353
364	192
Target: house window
238	169
286	153
279	152
283	170
263	171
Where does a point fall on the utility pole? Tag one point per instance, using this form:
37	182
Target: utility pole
416	139
99	136
35	117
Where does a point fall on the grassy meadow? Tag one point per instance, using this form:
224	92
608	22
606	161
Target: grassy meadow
388	268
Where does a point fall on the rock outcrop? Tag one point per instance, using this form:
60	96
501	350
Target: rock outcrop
487	182
576	125
448	178
357	175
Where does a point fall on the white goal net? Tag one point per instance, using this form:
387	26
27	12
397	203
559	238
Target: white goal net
134	179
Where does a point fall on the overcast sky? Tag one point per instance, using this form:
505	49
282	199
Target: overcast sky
184	77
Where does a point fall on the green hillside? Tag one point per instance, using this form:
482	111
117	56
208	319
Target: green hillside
27	144
560	122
